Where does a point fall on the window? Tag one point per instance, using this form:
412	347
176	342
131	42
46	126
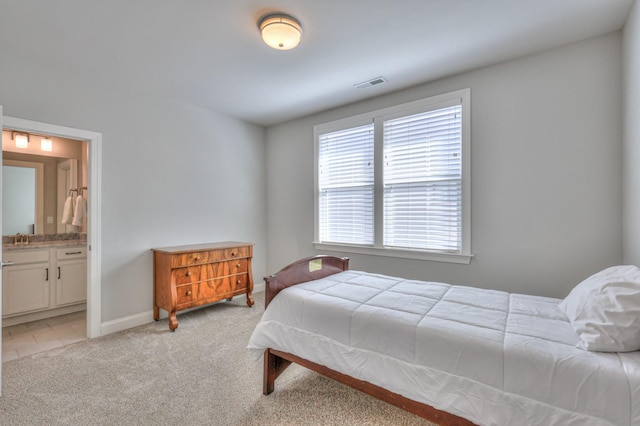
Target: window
346	178
396	181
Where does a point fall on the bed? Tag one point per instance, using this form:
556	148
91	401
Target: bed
459	355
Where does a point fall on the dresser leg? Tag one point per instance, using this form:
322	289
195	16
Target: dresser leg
173	321
156	312
250	300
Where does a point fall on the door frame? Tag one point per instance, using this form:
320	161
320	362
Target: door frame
94	236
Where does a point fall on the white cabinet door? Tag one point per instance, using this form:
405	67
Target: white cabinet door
71	285
25	288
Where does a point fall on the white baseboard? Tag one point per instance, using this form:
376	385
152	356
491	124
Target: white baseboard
126	323
142	318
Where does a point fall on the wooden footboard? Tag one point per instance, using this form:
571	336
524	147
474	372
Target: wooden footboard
275	362
307	269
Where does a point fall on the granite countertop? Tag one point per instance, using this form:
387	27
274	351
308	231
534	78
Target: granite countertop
44	245
44	241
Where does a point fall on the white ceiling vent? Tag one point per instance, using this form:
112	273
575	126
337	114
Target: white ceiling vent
369	83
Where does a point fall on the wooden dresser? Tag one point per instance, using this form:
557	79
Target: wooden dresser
194	275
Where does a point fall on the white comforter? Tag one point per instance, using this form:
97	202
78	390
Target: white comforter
492	357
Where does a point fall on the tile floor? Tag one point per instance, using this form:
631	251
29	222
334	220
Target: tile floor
37	336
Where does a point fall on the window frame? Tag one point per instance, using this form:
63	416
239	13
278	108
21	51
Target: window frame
462	97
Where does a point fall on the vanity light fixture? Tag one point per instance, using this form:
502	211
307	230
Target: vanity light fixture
46	144
280	31
22	140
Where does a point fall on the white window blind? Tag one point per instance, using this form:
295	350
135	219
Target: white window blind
346	186
396	181
423	181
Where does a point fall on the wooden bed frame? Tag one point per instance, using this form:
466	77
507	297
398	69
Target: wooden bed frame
275	362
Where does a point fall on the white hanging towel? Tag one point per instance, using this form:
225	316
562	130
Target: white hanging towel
80	211
67	211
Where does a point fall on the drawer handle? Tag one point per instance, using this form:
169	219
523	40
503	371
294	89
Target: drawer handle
196	258
239	281
188	273
238	265
47	277
73	252
189	293
7	263
234	253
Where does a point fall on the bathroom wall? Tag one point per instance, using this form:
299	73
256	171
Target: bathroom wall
62	149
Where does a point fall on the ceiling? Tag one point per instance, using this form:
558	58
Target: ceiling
209	52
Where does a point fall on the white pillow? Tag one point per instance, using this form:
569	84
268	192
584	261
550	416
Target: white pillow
604	310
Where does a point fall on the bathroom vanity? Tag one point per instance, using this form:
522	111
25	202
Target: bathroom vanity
43	280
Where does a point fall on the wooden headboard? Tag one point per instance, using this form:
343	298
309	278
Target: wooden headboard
303	270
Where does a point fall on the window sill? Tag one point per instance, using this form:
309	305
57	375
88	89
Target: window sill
396	252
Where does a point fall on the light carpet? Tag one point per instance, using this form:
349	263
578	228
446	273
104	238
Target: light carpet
199	375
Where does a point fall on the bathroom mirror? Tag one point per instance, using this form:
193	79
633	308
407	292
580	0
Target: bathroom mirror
59	172
22	197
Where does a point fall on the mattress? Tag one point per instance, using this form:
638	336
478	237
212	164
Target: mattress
492	357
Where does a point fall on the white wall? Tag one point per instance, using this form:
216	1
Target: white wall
171	173
546	173
631	73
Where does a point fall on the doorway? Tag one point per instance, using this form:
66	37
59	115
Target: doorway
45	277
93	174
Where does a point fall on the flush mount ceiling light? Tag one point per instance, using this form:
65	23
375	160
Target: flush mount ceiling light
280	31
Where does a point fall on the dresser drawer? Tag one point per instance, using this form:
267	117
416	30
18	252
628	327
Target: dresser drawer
208	271
222	286
190	274
185	294
188	259
202	257
239	282
223	269
238	266
236	252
